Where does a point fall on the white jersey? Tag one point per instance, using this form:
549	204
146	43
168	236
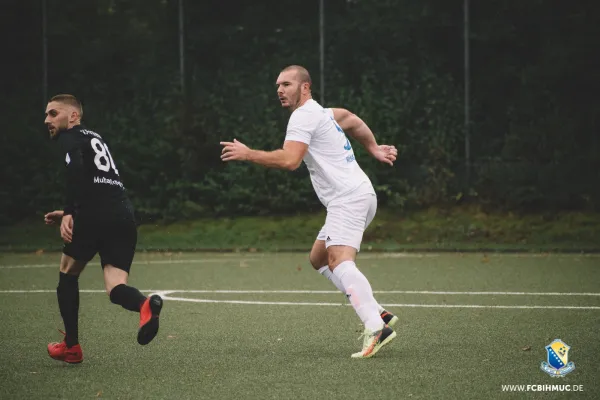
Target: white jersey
330	160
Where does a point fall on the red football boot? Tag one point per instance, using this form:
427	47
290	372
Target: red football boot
59	351
149	319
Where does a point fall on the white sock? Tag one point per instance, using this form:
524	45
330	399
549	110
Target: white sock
326	272
360	293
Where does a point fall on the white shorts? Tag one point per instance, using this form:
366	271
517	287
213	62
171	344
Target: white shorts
347	219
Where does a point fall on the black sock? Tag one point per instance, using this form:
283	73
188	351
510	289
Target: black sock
68	303
127	297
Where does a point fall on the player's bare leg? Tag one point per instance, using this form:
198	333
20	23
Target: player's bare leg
67	293
377	334
128	297
319	258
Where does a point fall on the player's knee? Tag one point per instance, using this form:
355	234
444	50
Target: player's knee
332	261
71	267
113	277
335	259
338	254
69	270
110	286
316	260
312	260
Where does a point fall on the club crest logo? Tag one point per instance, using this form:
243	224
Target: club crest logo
557	359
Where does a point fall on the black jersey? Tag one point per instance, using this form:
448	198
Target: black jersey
93	181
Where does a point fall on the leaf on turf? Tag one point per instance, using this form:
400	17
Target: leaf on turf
526	348
99	394
39	252
299	268
171	337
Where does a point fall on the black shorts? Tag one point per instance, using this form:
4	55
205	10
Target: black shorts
114	238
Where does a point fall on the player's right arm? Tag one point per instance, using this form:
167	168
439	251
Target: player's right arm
75	179
72	148
359	130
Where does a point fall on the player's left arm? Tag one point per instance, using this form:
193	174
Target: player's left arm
354	126
289	157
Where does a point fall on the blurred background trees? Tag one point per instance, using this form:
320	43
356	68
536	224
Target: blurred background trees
397	64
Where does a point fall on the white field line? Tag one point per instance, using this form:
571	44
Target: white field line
245	258
166	294
419	292
289	303
251	257
390	292
200	261
227	258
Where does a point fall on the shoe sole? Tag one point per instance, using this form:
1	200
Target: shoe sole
147	332
378	347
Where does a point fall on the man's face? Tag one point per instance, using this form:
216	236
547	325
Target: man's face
58	117
289	89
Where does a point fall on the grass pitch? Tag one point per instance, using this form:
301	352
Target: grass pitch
267	326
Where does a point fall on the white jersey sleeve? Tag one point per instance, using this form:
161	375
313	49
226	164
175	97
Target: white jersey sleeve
302	126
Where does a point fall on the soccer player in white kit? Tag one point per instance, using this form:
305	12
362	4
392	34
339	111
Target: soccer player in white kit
317	136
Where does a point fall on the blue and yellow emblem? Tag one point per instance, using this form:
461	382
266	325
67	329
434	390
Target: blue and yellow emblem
557	360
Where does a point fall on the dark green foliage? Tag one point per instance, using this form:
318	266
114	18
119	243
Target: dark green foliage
397	64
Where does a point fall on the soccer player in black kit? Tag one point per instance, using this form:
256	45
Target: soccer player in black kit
97	218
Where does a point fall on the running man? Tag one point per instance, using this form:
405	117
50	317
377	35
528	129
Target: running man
97	218
318	136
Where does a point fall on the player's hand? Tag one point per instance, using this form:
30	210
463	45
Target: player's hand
66	228
234	151
385	153
53	217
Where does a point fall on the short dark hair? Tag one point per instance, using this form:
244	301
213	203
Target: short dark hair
302	73
70	100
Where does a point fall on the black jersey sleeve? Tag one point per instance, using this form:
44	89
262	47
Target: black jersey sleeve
75	179
71	148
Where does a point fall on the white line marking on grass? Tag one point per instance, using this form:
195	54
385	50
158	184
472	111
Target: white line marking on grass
290	303
374	256
390	292
48	291
490	293
282	303
29	266
165	294
227	258
425	292
153	262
